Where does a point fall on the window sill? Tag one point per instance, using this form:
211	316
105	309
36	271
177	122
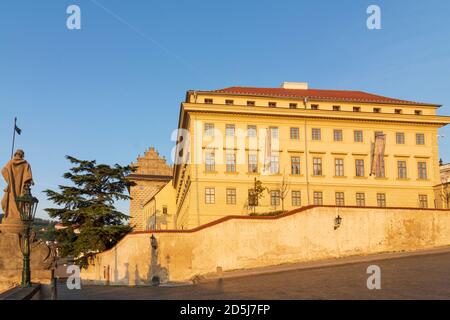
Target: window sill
403	179
358	177
231	173
253	173
314	176
210	172
423	179
296	175
381	178
340	177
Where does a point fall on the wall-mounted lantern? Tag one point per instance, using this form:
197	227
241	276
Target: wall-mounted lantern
337	222
153	242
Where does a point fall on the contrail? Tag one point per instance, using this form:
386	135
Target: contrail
145	36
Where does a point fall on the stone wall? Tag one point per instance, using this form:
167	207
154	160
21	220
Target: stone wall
232	243
11	261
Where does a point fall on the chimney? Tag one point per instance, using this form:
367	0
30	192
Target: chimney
295	85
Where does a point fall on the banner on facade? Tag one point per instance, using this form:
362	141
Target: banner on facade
268	150
378	148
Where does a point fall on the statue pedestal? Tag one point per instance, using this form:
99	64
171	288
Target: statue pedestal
10	225
11	259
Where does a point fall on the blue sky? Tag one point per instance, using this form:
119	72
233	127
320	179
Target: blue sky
113	88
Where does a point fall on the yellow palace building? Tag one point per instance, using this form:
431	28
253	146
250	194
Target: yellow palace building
305	146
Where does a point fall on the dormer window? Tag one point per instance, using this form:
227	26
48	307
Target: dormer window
292	106
418	112
356	109
376	110
251	103
209	101
272	104
229	102
398	111
314	107
336	108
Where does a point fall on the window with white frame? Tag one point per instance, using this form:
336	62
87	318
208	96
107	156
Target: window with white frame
420	139
339	167
231	162
274	132
337	135
360	199
296	198
275	198
422	170
340	200
210	195
316	134
274	164
295	165
401	169
423	201
229	130
358	136
317	166
381	200
251	131
209	129
210	162
359	165
295	134
318	198
400	138
252	163
231	196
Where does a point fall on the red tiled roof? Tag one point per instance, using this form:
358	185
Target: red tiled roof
316	94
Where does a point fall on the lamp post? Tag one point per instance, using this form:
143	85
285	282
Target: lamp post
27	205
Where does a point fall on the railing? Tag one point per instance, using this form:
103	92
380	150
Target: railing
36	291
19	293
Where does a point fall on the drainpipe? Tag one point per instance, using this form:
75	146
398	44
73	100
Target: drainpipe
155	215
197	191
196	141
305	104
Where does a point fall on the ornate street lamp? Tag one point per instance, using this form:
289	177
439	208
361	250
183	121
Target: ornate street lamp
27	205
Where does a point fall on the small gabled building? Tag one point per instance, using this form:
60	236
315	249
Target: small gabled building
151	175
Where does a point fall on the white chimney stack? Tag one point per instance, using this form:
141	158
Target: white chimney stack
295	85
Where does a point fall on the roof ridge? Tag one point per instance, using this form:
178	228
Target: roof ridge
336	94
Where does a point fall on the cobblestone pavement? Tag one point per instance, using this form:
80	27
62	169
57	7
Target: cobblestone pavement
415	277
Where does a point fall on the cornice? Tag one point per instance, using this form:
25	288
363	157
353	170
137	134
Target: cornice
317	114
